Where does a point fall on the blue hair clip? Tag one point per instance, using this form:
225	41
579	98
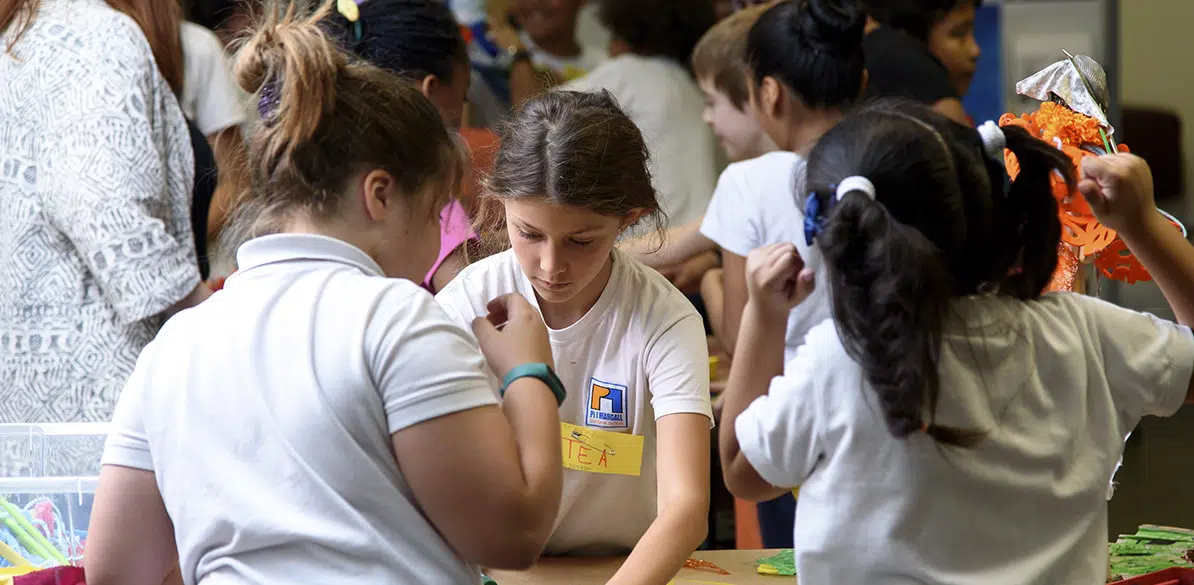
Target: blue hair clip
269	100
812	217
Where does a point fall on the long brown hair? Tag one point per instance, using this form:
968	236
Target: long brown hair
17	13
159	21
324	117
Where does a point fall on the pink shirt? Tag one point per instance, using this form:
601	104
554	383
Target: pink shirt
454	230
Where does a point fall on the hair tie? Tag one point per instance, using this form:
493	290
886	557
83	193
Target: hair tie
994	141
855	183
269	100
813	222
352	12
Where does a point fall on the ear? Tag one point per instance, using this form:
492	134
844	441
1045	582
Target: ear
632	217
429	85
771	96
380	194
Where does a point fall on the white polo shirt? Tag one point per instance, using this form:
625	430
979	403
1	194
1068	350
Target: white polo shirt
266	414
638	355
755	205
1056	384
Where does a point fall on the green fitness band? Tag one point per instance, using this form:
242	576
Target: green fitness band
541	372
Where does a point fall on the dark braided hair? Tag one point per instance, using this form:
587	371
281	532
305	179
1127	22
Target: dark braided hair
413	38
896	262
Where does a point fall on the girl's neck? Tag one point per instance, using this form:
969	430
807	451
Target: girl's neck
563	315
807	132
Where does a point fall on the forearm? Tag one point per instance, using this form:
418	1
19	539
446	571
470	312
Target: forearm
678	530
534	417
1169	258
678	245
759	358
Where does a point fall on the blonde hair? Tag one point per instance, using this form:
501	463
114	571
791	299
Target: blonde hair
720	55
326	116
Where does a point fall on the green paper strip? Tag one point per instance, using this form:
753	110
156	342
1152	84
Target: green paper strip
19	516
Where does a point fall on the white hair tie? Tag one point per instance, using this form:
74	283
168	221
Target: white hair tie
855	183
994	141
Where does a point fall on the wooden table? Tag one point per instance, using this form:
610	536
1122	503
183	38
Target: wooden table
596	571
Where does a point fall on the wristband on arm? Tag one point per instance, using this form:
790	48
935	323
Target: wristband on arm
539	371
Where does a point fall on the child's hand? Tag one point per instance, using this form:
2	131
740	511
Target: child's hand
521	339
777	278
1119	189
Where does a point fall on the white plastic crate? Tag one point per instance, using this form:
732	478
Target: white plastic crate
48	475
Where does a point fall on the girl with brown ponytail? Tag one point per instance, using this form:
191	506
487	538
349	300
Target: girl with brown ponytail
321	419
951	423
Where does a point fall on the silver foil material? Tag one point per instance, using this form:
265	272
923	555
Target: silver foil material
1062	80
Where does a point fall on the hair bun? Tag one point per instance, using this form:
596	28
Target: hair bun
833	26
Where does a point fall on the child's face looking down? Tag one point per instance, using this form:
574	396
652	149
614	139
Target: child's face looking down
561	248
738	131
951	41
548	20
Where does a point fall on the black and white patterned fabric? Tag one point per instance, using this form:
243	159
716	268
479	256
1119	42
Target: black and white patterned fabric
96	173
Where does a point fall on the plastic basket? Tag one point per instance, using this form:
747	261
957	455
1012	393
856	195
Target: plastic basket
1174	576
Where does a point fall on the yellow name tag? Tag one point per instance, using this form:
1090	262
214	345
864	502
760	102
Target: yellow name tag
597	451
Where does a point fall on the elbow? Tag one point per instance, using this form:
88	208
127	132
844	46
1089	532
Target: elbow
744	483
516	540
514	550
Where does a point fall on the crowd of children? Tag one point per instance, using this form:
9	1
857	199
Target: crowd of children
435	358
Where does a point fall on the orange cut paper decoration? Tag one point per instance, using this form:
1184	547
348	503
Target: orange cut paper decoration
1083	237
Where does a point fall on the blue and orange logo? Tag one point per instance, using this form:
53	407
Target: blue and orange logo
606	407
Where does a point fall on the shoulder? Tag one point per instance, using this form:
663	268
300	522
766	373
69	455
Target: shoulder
480	282
768	168
655	304
900	66
100	38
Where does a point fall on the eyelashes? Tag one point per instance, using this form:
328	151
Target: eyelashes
537	237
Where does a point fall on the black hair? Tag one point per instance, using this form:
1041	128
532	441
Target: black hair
914	17
945	223
812	46
666	28
413	38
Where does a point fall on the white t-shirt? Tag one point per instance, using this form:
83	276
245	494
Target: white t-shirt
266	414
755	206
1062	381
590	32
210	98
643	345
568	68
666	104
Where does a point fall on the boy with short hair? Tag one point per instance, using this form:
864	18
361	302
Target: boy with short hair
718	62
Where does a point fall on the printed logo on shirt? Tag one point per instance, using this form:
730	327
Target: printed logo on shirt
607	405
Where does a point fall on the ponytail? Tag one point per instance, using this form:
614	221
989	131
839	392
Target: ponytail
292	65
1028	215
325	117
890	290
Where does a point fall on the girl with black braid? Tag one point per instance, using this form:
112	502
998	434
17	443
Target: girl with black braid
421	41
950	423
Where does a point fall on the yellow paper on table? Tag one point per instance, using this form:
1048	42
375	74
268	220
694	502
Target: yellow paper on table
597	451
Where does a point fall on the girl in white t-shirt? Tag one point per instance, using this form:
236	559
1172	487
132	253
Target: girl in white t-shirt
320	419
951	424
570	177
